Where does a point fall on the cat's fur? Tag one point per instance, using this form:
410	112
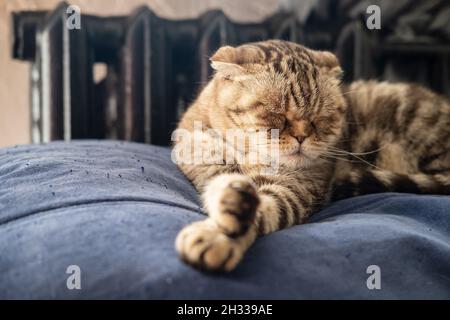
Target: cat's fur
398	134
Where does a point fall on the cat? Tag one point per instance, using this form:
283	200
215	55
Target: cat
335	141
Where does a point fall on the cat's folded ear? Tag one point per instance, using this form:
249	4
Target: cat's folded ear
328	62
231	61
225	54
227	69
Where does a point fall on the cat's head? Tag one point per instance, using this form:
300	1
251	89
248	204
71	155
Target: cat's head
280	85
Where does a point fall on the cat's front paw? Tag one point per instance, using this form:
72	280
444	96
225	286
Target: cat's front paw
231	201
203	245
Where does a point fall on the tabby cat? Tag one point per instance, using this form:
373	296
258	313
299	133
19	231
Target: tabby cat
335	141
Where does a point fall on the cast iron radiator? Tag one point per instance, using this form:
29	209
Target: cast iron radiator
155	66
154	69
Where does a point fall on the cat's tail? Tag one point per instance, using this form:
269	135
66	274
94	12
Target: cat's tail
366	181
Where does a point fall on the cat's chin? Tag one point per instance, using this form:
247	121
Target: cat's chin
295	161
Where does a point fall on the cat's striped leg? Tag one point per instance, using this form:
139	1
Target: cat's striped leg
219	242
231	201
237	201
239	210
367	181
282	206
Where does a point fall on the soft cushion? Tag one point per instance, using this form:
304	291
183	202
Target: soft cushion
114	209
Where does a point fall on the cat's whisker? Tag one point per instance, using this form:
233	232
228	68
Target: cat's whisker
358	153
338	152
325	156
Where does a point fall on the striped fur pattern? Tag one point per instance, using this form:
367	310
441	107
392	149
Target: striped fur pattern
399	135
335	142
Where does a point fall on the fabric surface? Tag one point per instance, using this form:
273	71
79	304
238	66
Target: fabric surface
114	209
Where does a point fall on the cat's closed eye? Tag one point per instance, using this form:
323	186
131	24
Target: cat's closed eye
273	120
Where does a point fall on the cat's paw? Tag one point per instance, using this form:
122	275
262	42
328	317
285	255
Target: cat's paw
231	201
203	245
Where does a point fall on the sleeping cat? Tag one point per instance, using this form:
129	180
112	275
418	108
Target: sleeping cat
335	141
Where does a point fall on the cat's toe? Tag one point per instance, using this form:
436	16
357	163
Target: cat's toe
205	247
237	207
231	202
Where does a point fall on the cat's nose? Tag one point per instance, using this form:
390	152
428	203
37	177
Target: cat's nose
300	139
